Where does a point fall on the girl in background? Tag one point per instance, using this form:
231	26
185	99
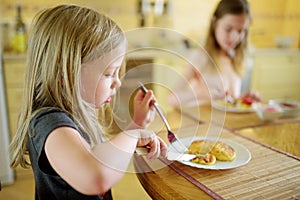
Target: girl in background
217	70
74	58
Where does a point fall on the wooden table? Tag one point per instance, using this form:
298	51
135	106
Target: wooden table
272	173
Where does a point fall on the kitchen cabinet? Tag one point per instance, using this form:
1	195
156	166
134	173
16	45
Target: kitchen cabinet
275	74
14	76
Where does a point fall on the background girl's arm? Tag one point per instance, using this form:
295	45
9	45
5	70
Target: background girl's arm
181	90
192	76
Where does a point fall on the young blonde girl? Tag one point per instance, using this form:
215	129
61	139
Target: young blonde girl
73	63
217	69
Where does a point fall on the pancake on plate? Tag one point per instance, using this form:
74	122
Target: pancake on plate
196	146
223	152
220	150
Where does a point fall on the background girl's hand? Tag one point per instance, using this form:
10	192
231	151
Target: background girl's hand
155	144
144	112
250	97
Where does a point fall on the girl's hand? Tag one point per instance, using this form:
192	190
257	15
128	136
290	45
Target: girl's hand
155	144
144	111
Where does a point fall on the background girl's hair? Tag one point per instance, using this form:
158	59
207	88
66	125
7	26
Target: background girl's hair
61	39
224	7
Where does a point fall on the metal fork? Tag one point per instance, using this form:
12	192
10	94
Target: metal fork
172	138
230	99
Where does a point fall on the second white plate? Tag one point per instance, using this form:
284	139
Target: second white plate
220	106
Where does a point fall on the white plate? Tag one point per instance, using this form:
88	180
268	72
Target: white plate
243	155
219	104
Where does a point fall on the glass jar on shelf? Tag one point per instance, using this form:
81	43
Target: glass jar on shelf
19	40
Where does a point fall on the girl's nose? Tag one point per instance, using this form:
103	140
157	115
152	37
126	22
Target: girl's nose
234	35
237	36
116	84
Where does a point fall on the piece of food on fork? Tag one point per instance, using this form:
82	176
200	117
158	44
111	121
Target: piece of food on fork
207	159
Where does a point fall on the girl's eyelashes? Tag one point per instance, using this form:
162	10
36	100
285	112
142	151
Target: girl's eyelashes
240	32
228	30
108	74
112	73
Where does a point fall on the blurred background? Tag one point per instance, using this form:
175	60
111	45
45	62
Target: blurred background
274	38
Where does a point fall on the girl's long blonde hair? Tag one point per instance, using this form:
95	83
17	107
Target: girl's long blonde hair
61	39
235	7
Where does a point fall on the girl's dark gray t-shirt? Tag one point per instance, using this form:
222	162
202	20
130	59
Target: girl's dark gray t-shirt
48	184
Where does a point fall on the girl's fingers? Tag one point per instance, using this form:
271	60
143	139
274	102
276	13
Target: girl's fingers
163	147
155	144
156	151
149	98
